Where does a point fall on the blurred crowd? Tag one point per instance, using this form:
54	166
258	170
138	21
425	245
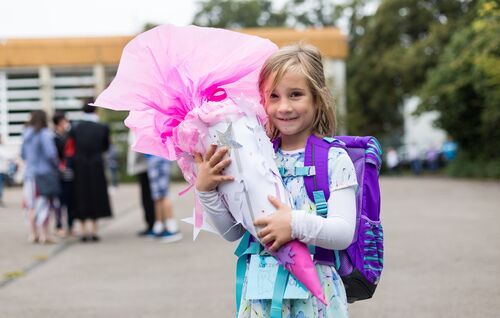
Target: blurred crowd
66	169
420	160
8	169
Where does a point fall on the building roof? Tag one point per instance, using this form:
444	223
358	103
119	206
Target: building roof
330	41
107	50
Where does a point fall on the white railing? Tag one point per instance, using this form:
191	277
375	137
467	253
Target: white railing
23	90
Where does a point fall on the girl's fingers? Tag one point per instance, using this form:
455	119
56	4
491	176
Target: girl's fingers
275	202
266	239
210	152
263	232
198	158
217	157
220	179
221	165
263	221
276	245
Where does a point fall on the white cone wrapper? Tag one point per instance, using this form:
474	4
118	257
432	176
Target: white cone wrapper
253	167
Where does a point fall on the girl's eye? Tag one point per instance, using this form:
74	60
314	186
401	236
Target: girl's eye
296	94
273	96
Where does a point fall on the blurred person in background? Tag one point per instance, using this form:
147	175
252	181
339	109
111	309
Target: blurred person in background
392	160
41	180
449	149
91	200
5	160
61	130
112	164
415	158
165	227
12	169
137	164
432	158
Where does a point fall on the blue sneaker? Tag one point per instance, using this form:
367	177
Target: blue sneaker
146	233
169	237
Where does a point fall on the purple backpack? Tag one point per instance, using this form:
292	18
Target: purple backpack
360	265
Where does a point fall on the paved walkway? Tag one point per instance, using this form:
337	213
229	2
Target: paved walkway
442	256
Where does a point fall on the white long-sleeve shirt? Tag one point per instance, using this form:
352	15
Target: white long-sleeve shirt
333	232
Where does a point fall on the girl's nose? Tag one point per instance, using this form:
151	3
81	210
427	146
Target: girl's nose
284	106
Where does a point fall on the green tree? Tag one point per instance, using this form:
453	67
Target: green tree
238	14
464	87
261	13
391	53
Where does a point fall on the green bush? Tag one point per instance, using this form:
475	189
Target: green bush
466	166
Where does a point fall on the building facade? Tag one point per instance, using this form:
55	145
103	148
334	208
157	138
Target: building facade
60	73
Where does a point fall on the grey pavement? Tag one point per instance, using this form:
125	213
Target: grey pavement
441	260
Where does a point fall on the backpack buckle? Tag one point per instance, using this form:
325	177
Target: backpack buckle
320	201
307	171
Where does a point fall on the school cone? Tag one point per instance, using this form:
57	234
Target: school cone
256	176
296	259
202	90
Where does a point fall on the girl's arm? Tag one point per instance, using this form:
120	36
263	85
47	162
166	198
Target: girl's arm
23	150
24	145
334	232
209	175
220	216
49	147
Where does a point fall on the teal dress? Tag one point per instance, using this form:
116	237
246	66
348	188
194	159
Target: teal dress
341	175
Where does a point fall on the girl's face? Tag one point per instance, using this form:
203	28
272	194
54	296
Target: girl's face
290	107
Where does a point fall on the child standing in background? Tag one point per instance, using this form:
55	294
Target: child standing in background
165	227
293	90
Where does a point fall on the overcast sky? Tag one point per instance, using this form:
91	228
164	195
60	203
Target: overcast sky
66	18
53	18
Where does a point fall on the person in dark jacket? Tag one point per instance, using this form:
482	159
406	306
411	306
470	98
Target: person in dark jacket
61	129
91	200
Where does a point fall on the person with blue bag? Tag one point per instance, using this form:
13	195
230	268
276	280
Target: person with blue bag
41	185
299	105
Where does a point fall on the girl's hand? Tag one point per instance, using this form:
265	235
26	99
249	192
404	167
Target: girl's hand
277	228
210	168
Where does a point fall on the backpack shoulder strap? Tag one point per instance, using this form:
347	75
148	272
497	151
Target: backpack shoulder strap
276	143
317	185
316	179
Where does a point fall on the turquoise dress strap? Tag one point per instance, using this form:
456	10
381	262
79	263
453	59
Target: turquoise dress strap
244	249
279	292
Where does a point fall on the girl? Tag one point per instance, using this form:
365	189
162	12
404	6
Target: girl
293	90
41	180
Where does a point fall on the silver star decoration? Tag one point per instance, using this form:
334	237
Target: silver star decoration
226	138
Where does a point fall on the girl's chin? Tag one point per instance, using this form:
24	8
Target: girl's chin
286	130
288	124
290	133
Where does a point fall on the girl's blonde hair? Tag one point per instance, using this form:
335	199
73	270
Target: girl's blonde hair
307	60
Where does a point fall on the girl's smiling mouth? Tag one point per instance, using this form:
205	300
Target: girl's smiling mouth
287	119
